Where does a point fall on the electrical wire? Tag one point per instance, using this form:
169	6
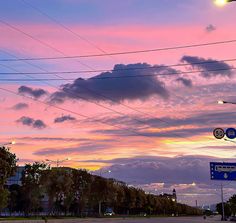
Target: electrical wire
116	77
122	69
35	40
124	52
39	41
75	113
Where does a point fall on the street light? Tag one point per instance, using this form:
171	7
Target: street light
102	172
58	161
226	102
9	143
222	3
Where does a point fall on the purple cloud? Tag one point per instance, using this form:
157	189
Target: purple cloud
220	68
64	118
37	124
20	106
35	93
123	83
186	82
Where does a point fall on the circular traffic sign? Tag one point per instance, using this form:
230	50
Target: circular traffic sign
231	133
219	133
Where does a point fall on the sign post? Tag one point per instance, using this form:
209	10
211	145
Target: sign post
231	133
219	133
222	202
224	172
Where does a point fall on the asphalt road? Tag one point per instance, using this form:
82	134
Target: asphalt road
131	220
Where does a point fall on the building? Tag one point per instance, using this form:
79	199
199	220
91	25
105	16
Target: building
16	179
172	196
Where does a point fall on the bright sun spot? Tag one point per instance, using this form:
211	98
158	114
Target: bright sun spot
220	2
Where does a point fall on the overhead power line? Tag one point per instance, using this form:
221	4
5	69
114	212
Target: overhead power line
39	41
32	37
61	78
77	114
120	69
63	26
96	103
115	77
135	133
123	52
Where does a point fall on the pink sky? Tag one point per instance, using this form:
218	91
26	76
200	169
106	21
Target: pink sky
190	113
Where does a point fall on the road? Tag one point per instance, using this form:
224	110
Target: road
130	220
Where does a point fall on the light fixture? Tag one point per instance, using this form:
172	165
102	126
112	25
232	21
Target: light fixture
221	3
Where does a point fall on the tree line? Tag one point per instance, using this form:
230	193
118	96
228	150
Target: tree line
229	207
76	192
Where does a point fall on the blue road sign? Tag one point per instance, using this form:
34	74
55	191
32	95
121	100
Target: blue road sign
223	171
231	133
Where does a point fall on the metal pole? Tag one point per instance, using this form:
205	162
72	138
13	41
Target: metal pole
100	208
222	202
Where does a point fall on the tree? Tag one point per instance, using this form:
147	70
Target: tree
102	192
7	165
3	198
232	203
31	187
8	162
14	201
226	208
81	189
130	198
58	183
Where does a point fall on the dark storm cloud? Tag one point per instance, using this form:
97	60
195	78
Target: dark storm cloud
20	106
161	174
150	169
64	118
37	124
120	84
35	93
186	82
220	68
210	28
169	170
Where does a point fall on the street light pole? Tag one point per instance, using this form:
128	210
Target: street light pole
222	201
100	202
58	161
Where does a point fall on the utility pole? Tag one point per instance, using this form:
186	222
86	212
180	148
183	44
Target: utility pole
222	202
100	208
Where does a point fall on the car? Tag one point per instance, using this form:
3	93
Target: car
233	218
109	212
